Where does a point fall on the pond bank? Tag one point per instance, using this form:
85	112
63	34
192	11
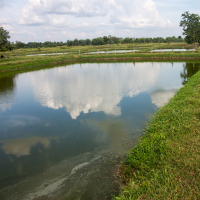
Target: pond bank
22	63
165	163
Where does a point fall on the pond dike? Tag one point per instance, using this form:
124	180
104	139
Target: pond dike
23	63
165	164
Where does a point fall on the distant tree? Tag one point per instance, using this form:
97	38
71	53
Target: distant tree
105	39
97	41
75	43
69	43
180	39
19	44
5	45
191	27
127	40
88	42
168	39
81	42
148	40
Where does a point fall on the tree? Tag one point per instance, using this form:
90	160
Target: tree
88	41
4	43
191	27
105	39
19	44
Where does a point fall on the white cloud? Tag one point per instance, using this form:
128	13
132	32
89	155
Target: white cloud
123	14
58	20
110	32
3	21
8	27
55	12
74	35
24	32
99	33
136	14
83	25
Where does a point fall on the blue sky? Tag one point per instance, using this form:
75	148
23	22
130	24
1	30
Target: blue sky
60	20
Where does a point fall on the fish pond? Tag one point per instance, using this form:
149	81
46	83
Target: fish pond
64	130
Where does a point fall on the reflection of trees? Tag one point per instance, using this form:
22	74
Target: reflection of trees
7	83
189	69
7	89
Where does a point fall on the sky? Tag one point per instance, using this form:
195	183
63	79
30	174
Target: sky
62	20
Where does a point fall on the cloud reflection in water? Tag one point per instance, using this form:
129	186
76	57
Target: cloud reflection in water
84	89
21	147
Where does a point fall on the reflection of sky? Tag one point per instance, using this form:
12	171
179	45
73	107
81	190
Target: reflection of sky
18	120
117	98
94	88
160	97
99	89
88	88
22	146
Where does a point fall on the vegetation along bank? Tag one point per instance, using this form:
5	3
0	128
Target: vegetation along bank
19	63
165	164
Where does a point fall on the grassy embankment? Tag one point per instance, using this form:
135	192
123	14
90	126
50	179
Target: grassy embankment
18	60
165	164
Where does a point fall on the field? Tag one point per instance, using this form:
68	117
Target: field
18	60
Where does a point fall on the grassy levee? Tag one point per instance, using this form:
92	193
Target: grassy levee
165	164
17	60
23	62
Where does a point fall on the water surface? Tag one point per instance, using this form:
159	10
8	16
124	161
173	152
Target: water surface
116	51
63	130
165	50
45	54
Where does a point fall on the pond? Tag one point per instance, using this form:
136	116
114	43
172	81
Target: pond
64	130
115	51
45	54
165	50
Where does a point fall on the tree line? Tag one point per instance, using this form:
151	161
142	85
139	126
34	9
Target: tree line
98	41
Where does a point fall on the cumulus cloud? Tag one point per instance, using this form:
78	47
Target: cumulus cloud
74	35
7	27
5	24
38	12
123	14
3	21
24	32
136	14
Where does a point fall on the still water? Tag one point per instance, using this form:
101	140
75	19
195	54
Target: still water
63	130
44	54
165	50
115	51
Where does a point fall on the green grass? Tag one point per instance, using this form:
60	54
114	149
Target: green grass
165	164
91	48
22	62
18	61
